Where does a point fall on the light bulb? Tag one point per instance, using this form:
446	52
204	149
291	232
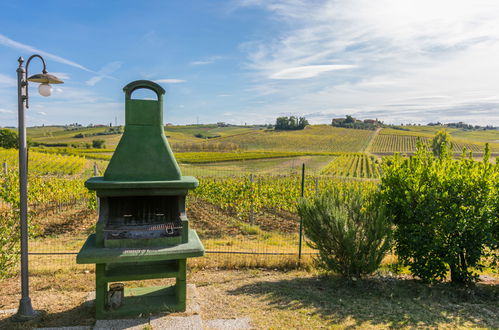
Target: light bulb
45	89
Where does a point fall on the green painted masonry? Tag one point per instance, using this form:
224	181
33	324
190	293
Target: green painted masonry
143	153
143	164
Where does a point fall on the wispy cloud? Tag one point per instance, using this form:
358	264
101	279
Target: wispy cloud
169	81
17	45
43	113
61	75
307	71
207	60
6	111
104	72
6	80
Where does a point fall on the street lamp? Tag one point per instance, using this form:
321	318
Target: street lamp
25	311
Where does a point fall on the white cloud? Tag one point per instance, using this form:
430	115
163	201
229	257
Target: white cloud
6	111
94	80
169	81
307	71
17	45
201	62
6	80
208	60
403	50
61	75
104	72
42	113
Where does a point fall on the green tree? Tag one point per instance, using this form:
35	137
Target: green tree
441	138
348	226
98	144
302	122
290	123
8	138
349	119
444	212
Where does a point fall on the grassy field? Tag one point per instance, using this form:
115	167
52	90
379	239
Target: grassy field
313	138
252	149
387	142
175	134
273	299
272	291
430	131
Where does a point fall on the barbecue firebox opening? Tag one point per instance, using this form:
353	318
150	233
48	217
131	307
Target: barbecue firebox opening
142	210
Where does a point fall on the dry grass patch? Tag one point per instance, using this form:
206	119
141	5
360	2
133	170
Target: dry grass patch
284	299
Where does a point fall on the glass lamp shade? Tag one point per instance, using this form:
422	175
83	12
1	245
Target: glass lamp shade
45	89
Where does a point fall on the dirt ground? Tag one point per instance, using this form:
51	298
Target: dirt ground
283	299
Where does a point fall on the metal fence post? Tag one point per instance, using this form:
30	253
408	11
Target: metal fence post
316	187
5	169
251	214
301	219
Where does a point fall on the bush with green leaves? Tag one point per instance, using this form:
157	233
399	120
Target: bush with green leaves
348	226
444	212
441	138
98	144
8	138
9	242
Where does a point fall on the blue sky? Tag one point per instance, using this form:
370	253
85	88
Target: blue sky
249	61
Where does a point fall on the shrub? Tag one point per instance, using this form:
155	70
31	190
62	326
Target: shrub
348	227
8	138
98	144
444	214
436	143
9	242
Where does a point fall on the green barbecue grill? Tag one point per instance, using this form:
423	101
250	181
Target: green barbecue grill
142	231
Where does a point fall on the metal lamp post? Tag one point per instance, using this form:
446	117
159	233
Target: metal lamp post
25	311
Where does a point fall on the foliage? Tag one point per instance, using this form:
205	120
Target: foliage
9	242
8	138
194	157
270	192
290	123
391	140
353	165
348	226
441	138
41	163
43	190
98	144
351	122
443	212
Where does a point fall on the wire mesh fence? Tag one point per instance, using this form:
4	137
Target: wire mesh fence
255	226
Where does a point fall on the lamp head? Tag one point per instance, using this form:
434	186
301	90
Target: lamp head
45	79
